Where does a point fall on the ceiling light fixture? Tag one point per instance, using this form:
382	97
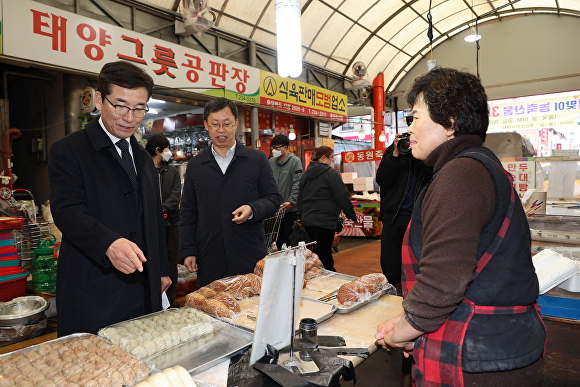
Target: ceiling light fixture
361	134
154	100
153	111
382	137
473	35
289	38
292	133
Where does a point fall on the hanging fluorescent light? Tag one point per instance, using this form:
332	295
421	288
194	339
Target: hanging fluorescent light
292	133
152	111
154	100
473	36
361	134
289	38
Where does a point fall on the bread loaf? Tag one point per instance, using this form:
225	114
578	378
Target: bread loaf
217	308
255	282
350	293
228	300
195	300
206	292
374	282
312	273
361	288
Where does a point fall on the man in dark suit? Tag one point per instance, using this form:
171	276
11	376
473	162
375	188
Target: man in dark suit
227	191
105	199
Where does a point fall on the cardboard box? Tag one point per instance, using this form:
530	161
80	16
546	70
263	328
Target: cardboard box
347	177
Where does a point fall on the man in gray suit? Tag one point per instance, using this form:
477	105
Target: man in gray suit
105	199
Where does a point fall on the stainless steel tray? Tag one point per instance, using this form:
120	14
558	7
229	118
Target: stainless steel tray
198	355
343	309
247	321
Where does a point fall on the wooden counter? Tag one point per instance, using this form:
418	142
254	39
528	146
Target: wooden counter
358	329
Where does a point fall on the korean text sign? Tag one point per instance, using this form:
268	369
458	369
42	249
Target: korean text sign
301	98
36	31
362	155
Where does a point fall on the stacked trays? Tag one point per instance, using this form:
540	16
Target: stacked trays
12	276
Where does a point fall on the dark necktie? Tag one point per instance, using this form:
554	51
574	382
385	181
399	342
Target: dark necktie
129	166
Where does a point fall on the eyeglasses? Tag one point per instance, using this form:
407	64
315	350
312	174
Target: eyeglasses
225	126
278	147
122	110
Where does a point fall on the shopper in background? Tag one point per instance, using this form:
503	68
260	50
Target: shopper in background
469	284
104	198
287	169
170	191
321	196
228	190
401	177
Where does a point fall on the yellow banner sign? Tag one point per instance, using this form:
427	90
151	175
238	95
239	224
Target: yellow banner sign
301	98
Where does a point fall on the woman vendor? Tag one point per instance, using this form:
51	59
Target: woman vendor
470	314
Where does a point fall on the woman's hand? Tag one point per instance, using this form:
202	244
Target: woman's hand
397	333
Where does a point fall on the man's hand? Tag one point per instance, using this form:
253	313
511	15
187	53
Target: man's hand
165	282
397	333
126	256
190	263
286	205
241	214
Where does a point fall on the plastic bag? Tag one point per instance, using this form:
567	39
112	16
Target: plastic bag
299	234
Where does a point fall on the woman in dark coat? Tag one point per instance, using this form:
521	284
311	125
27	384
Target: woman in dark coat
321	196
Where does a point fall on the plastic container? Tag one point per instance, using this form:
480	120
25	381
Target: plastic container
44	265
308	329
552	269
572	284
10	223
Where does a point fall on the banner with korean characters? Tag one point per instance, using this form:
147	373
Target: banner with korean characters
535	111
301	98
523	170
38	32
362	155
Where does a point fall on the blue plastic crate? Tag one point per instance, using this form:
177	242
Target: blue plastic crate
560	307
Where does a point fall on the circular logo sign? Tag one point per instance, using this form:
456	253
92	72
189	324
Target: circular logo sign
88	99
348	157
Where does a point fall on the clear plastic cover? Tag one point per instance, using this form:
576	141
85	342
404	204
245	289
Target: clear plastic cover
153	334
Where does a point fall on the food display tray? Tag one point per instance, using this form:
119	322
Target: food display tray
200	354
316	309
343	309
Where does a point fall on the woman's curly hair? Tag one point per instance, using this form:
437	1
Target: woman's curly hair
455	99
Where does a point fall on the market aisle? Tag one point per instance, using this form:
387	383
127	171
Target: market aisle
358	256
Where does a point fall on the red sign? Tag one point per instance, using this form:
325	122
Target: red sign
264	120
362	155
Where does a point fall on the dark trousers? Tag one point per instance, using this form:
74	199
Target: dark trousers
285	229
391	243
323	246
172	236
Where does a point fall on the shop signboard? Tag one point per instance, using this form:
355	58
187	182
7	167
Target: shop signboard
362	155
301	98
534	112
523	170
36	32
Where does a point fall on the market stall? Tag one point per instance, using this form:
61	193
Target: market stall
201	340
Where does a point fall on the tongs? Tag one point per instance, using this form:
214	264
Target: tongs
329	296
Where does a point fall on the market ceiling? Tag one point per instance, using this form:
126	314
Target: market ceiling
388	36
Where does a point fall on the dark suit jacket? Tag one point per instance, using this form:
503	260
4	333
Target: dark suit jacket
93	204
222	247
